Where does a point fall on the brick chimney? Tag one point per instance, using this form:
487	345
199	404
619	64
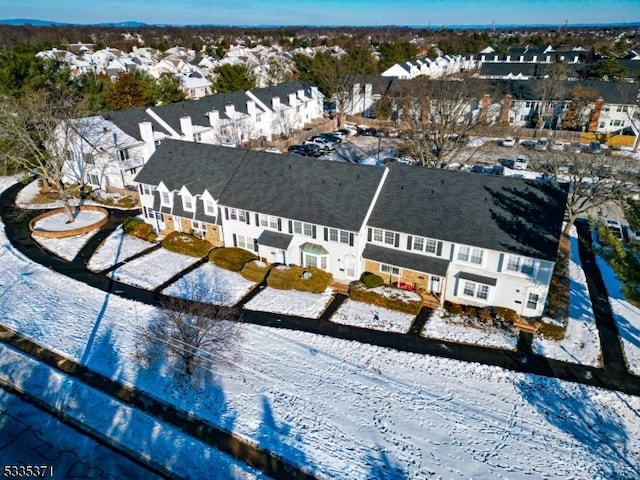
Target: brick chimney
504	109
595	115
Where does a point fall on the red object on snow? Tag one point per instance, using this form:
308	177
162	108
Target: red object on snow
404	286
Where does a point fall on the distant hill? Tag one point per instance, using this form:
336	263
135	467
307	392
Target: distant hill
48	23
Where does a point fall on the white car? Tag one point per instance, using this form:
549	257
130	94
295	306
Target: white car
508	142
521	162
615	227
324	143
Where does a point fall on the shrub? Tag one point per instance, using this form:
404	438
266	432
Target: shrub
485	315
553	331
181	242
231	258
255	270
505	314
291	277
471	311
371	280
453	308
358	291
138	228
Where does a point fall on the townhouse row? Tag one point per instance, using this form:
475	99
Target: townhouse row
469	239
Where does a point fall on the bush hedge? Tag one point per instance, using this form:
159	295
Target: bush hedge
231	258
255	270
359	292
553	331
371	280
181	242
484	314
138	228
291	277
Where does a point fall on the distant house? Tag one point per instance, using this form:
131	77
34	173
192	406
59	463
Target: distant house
498	249
195	85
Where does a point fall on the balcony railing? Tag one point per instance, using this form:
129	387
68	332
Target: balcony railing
132	162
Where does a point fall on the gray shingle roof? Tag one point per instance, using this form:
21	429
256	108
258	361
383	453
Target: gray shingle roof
196	165
478	278
611	92
506	214
325	193
275	239
413	261
282	91
128	121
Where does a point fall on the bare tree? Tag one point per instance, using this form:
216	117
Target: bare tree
579	112
38	135
591	178
191	333
551	90
438	116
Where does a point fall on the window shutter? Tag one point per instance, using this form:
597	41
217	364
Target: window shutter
255	245
369	234
397	240
326	234
235	240
257	219
290	226
279	224
439	249
226	213
247	218
140	189
409	242
313	231
351	239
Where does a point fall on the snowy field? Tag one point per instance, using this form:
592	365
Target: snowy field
66	248
211	284
152	270
58	221
455	330
342	409
291	302
626	315
364	315
116	248
581	343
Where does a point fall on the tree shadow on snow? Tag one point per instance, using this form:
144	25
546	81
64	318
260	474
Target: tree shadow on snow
384	467
593	425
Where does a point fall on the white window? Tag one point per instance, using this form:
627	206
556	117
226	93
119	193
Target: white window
302	228
470	255
245	242
418	243
389	238
377	235
344	236
390	269
333	234
88	158
187	202
269	221
475	290
198	226
532	301
148	189
165	199
524	265
94	179
209	207
318	261
233	214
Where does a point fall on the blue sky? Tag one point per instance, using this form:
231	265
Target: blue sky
327	12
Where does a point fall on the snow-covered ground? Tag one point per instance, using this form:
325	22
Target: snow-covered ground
117	247
212	284
152	270
291	302
66	248
364	315
581	343
626	315
58	221
340	408
456	330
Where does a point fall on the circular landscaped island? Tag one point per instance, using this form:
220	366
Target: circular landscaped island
54	224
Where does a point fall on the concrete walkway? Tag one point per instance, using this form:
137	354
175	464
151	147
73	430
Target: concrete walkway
612	376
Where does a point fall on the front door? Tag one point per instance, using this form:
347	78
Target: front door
350	268
434	286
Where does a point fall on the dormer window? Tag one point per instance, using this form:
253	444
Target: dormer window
209	207
187	202
123	154
165	199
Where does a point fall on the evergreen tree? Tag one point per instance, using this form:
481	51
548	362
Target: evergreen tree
127	92
230	78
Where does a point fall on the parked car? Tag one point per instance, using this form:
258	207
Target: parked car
497	170
330	136
323	143
339	134
615	227
508	142
310	150
480	169
528	144
272	150
542	144
573	148
521	163
507	162
595	147
366	131
556	145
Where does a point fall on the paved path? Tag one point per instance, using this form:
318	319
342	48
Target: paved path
612	376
